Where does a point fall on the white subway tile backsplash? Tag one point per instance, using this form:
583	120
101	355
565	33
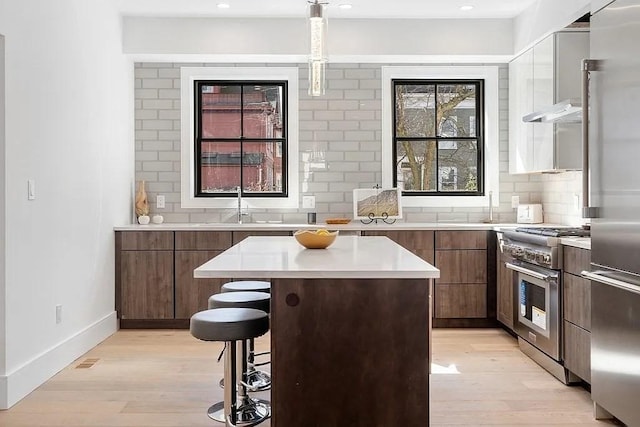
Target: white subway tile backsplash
344	125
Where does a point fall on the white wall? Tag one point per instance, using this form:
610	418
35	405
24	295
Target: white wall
3	322
69	127
487	40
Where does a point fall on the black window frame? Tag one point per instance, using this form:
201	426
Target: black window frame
480	136
198	139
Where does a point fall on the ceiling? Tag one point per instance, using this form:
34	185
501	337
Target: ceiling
424	9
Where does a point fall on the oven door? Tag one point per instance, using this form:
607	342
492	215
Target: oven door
536	307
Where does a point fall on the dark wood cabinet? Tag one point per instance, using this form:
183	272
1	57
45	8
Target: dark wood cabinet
192	249
577	312
420	242
461	290
239	236
504	309
144	275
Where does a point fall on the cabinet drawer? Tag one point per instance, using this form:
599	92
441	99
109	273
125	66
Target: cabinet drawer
577	300
462	266
461	240
146	240
239	236
576	260
419	242
460	301
203	240
577	351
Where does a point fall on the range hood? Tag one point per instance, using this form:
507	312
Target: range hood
567	111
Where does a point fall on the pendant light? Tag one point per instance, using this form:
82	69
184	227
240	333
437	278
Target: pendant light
318	48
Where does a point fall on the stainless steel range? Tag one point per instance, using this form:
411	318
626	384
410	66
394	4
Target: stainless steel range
537	314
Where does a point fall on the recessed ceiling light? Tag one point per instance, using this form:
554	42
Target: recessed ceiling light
465	8
345	6
224	5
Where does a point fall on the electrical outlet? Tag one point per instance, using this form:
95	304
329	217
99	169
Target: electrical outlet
160	201
308	202
515	201
59	313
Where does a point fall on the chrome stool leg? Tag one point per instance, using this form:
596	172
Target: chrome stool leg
256	380
247	411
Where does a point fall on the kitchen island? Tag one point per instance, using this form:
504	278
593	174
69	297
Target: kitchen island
350	328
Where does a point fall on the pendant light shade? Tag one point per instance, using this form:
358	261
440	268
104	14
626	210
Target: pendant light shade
317	48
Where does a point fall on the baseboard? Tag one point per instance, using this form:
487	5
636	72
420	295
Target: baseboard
17	384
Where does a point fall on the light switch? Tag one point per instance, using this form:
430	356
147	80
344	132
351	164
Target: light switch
31	189
160	201
515	201
308	202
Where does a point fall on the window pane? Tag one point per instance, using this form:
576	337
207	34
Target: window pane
456	110
458	166
416	165
262	111
415	110
262	167
220	167
220	111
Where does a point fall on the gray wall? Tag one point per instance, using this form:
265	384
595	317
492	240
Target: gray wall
344	127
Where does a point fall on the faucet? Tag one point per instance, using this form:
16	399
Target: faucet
240	213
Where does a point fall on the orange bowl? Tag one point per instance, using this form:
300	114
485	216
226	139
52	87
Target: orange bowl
310	239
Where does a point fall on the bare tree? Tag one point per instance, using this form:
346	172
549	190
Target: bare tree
416	116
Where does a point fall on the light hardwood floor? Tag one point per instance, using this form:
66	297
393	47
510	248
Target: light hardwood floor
167	378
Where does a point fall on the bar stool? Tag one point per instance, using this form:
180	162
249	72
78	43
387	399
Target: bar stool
254	379
247	286
232	325
258	378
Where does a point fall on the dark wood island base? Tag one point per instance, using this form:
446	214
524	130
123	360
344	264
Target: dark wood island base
350	352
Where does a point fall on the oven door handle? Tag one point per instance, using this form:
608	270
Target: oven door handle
609	281
527	271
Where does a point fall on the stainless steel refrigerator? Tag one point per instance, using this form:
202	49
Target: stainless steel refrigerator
614	151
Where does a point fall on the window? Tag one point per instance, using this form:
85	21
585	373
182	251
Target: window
240	138
239	128
437	139
449	185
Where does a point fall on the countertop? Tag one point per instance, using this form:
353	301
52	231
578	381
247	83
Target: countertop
366	257
577	242
353	225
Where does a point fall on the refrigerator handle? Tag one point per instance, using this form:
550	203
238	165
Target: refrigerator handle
596	277
588	65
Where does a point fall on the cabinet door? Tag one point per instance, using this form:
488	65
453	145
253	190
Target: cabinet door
505	292
192	295
543	97
419	242
577	351
520	103
577	300
460	301
146	281
576	260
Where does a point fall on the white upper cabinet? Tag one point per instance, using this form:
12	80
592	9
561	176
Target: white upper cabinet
542	76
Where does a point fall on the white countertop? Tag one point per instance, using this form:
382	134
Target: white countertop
353	225
349	257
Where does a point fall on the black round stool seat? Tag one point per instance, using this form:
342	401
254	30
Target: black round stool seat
257	300
247	285
229	324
